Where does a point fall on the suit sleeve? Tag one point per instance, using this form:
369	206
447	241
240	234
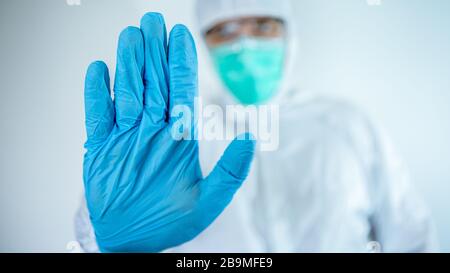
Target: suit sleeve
401	220
84	232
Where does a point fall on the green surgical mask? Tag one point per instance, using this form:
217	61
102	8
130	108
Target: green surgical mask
251	68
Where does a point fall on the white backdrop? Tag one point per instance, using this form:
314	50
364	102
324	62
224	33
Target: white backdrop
392	59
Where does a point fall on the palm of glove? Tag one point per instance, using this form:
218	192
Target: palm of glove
144	189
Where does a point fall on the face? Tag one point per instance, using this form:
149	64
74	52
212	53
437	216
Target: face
255	27
248	54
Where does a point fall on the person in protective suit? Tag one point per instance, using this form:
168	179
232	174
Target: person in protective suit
334	184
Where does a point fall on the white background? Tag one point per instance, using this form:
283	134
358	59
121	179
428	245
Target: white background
393	60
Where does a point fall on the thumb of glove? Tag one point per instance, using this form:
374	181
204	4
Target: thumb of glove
217	190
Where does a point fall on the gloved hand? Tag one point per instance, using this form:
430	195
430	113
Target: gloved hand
144	189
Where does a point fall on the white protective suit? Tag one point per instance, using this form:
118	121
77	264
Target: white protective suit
334	185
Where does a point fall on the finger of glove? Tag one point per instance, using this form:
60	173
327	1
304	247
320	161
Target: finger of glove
128	85
156	77
182	68
218	189
99	108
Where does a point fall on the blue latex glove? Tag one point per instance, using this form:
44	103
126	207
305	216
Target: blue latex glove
145	191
